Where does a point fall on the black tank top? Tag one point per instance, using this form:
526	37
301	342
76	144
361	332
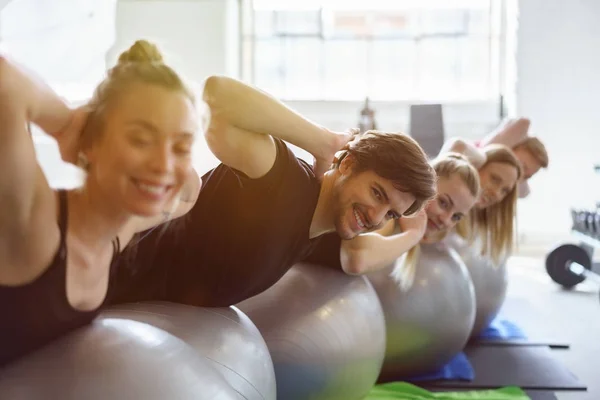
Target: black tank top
38	312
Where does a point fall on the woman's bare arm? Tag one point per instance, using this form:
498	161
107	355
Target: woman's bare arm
473	154
510	133
373	251
244	120
28	203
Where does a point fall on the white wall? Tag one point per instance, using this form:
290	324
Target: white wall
558	68
198	38
64	43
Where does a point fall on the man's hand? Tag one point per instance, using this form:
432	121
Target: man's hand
338	141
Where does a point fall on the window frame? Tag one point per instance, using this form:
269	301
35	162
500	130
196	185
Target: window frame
495	37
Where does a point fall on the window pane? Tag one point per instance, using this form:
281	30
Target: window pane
479	22
473	68
360	24
298	22
345	65
394	24
392	69
344	24
437	68
268	66
447	22
302	70
264	23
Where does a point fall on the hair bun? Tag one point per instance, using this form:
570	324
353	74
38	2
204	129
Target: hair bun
142	51
456	156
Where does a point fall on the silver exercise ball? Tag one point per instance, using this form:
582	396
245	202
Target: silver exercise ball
118	360
325	331
430	322
225	336
490	282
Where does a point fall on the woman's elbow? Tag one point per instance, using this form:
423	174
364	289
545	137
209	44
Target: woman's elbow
213	89
457	145
354	262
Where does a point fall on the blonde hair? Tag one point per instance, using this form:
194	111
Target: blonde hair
395	157
445	165
448	164
142	63
536	148
494	225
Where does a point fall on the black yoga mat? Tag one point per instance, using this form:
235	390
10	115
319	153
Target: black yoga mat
553	344
529	367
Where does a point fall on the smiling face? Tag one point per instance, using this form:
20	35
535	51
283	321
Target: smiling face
142	157
452	203
363	201
497	180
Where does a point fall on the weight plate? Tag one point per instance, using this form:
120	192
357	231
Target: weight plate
557	264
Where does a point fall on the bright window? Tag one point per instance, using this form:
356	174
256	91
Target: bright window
444	50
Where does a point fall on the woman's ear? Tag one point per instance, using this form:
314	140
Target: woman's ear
82	161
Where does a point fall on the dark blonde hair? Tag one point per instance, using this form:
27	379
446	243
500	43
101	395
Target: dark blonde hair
445	165
448	164
494	225
397	158
536	148
141	63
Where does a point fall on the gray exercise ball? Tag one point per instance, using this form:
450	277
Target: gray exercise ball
225	336
430	322
325	331
489	280
118	360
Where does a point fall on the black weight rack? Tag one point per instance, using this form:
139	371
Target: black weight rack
571	263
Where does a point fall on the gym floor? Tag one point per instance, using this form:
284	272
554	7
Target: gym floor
569	316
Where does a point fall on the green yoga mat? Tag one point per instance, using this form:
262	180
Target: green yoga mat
406	391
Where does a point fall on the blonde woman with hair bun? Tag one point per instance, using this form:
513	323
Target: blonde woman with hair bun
58	249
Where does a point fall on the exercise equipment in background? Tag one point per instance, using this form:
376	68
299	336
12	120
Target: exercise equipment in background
115	359
367	118
224	336
325	331
569	264
427	127
430	323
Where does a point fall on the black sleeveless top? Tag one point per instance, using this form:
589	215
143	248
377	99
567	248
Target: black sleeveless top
33	314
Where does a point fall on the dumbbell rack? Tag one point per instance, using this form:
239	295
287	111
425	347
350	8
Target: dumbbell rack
571	263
